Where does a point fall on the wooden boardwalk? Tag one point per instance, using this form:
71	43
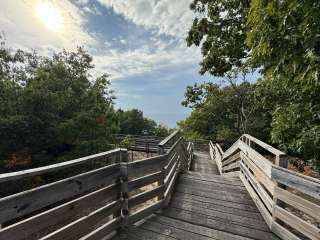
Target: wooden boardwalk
109	196
204	206
202	164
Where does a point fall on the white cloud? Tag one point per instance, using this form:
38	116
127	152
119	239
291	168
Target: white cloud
122	64
171	17
167	17
25	30
22	26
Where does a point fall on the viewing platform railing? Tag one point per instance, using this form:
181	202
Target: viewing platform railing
288	201
109	197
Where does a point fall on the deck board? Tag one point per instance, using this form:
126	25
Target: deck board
205	206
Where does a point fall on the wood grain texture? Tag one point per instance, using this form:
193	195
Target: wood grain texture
62	213
297	223
258	174
85	224
298	202
5	177
26	202
263	195
302	183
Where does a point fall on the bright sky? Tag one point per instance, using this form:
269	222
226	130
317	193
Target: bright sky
141	43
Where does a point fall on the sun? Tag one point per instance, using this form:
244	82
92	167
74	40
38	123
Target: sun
50	16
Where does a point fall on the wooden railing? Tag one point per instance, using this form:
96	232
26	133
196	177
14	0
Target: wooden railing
200	145
141	143
288	201
166	143
94	203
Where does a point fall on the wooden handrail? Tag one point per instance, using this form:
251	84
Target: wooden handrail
116	190
261	144
167	139
4	177
273	187
171	139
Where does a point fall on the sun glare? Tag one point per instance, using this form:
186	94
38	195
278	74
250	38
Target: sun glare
50	16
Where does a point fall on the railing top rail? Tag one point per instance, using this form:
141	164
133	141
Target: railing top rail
294	173
174	146
4	177
167	139
231	149
139	136
264	145
219	148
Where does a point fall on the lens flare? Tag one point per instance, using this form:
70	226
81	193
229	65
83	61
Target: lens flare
50	16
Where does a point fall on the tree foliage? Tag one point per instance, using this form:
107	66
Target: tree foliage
52	109
50	105
285	39
224	113
220	30
133	122
281	39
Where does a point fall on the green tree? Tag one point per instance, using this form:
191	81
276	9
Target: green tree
133	122
281	40
284	39
162	131
52	107
220	29
224	113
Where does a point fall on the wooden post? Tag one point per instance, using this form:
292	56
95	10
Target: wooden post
124	192
160	150
282	161
161	182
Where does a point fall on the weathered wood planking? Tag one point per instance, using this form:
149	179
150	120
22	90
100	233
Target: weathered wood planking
172	137
229	192
298	202
258	174
224	204
247	221
260	161
217	178
300	182
103	230
218	205
282	232
263	210
231	159
297	223
171	172
162	228
170	185
264	164
144	196
167	168
144	180
231	167
264	145
146	211
67	192
146	166
212	186
61	213
26	202
218	224
5	177
231	150
187	227
219	195
85	224
267	200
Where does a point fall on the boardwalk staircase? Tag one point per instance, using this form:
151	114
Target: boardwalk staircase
245	192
